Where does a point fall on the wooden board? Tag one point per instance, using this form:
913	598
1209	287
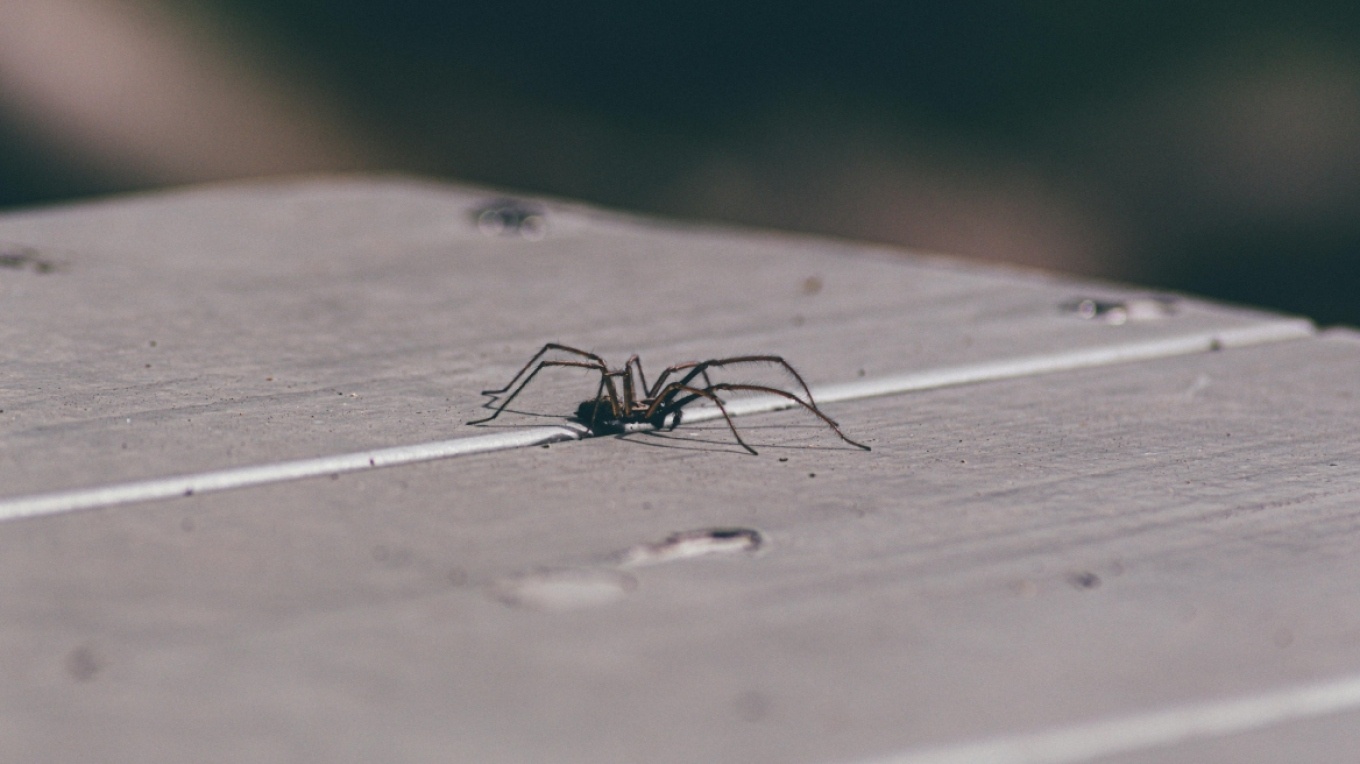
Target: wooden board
1126	539
241	325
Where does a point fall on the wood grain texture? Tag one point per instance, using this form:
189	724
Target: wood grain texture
1013	558
238	325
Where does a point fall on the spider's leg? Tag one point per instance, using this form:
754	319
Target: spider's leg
538	355
615	406
677	408
600	367
665	374
629	385
695	393
595	412
668	403
636	363
785	394
701	368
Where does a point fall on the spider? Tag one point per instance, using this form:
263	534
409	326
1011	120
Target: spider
625	403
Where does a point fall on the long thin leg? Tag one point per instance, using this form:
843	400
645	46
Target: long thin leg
696	368
702	393
600	367
679	408
614	406
595	412
675	411
539	354
666	373
636	363
677	404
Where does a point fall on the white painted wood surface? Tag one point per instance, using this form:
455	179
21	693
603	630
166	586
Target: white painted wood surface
1124	542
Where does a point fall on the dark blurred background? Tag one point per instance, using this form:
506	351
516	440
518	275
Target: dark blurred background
1212	147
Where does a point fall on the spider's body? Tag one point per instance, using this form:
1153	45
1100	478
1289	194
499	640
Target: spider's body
624	402
598	415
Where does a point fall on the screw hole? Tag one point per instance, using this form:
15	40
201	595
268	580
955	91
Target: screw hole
696	543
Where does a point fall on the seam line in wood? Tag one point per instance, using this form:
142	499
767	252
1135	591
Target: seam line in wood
152	489
1137	732
1027	366
244	477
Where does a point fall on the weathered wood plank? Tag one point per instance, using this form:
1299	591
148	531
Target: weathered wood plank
249	324
1016	557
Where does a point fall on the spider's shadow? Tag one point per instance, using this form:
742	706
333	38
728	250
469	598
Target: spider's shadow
682	439
667	440
686	441
512	424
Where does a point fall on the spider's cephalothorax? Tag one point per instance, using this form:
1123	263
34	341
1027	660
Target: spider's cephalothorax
624	402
